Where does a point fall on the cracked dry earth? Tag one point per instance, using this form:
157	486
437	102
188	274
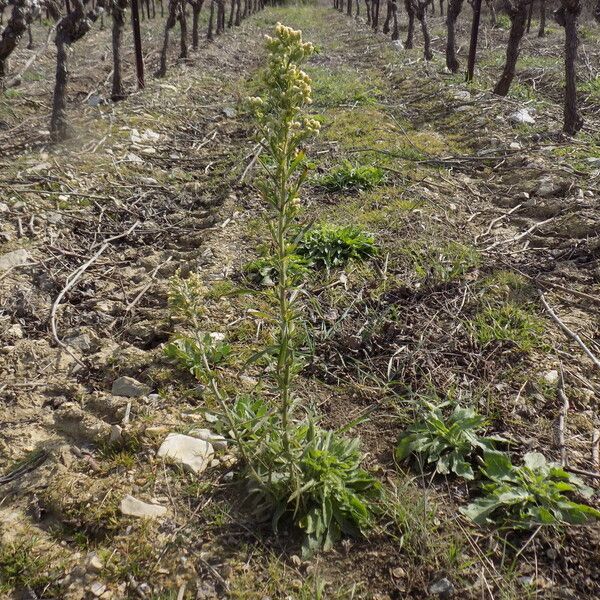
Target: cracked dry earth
155	187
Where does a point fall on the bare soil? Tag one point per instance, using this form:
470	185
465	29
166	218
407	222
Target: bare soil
165	173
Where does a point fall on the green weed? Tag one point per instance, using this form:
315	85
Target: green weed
349	177
26	565
190	351
532	494
330	246
263	270
334	87
448	442
325	495
508	323
441	264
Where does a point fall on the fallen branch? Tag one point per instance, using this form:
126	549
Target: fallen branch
147	286
496	220
568	331
251	163
562	419
73	279
518	237
583	472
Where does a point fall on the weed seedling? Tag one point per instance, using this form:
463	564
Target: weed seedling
348	177
529	495
329	246
446	442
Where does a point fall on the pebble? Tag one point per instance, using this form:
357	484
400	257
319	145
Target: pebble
129	387
194	454
551	377
442	587
136	508
217	441
97	588
16	258
522	116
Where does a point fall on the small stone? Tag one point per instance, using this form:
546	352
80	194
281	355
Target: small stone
136	508
97	589
442	587
116	434
547	187
94	100
217	441
93	563
521	116
230	112
194	454
296	584
514	146
248	381
552	554
15	331
398	573
462	95
129	387
3	207
81	342
16	258
551	377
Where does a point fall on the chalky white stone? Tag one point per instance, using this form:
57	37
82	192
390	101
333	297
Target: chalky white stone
136	508
194	454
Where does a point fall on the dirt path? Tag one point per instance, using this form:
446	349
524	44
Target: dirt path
474	213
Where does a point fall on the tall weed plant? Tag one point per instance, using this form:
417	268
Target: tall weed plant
299	470
294	470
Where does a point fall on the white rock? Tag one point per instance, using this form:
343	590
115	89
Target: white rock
217	441
93	563
3	207
551	377
522	116
514	146
547	187
150	136
16	258
462	95
194	454
129	387
97	589
136	508
443	587
15	331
